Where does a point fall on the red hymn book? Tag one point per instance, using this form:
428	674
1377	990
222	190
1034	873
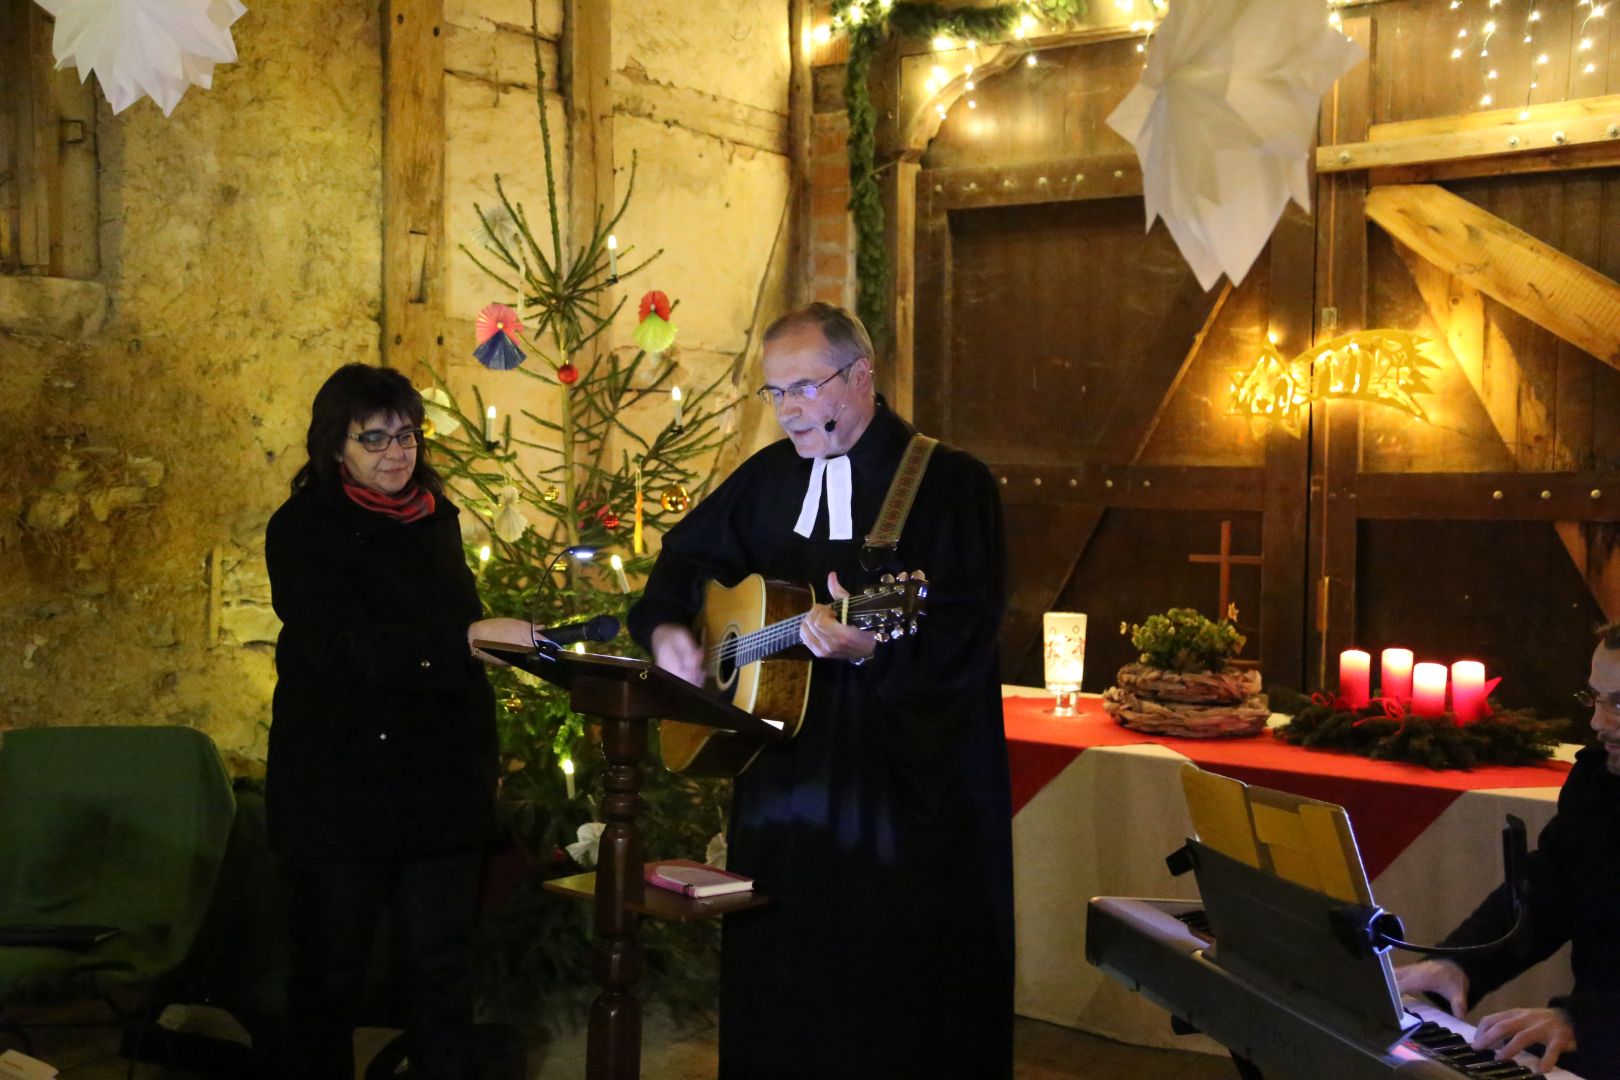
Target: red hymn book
695	879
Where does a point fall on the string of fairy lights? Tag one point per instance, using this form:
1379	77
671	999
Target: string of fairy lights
1496	33
1487	34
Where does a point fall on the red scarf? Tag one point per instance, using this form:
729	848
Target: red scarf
413	503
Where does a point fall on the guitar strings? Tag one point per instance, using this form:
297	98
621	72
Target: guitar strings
778	635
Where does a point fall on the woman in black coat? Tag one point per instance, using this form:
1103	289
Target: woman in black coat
382	764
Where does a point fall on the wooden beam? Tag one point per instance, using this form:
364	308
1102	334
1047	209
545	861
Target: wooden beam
1341	288
1285	502
1594	122
1607	105
413	184
1144	487
801	108
1486	358
1547	287
1591	546
585	77
1503	496
1111	176
1559	159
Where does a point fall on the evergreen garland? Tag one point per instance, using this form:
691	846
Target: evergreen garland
1507	737
866	37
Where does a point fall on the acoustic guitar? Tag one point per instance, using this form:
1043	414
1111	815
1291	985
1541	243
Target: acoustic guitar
753	657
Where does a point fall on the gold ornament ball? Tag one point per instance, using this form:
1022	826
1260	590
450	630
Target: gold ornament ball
550	494
675	500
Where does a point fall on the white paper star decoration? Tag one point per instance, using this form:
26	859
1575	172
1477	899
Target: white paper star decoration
1223	121
137	48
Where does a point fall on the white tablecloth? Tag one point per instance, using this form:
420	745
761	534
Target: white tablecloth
1103	826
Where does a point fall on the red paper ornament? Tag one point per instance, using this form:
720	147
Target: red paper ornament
568	374
655	301
610	520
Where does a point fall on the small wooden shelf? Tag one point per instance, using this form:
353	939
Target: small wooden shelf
661	903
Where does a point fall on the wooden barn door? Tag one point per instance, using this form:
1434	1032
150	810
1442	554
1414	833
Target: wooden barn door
1077	355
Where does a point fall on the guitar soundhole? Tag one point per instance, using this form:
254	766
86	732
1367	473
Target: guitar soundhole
726	673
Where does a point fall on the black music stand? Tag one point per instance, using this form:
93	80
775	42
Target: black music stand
623	694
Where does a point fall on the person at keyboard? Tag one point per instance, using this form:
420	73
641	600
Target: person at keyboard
1573	895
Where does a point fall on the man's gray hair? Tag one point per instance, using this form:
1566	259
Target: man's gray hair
847	340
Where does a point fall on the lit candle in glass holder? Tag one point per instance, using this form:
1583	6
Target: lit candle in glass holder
1355	669
1429	690
1395	674
1064	634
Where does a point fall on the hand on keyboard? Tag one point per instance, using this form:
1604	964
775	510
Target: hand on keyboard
1519	1028
1440	977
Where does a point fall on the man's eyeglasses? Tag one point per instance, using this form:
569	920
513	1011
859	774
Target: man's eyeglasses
1591	699
772	395
377	441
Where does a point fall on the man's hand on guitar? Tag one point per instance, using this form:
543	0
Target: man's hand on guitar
830	639
675	650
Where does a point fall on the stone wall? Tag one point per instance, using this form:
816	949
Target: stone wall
240	250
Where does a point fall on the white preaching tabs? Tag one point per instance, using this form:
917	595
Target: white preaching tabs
840	525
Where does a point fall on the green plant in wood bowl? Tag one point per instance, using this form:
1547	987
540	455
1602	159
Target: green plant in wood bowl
1184	683
1183	640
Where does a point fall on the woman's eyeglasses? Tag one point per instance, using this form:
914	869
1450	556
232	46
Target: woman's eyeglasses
377	441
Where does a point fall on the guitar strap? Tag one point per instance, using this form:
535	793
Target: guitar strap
881	542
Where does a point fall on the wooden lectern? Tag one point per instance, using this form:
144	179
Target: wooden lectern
623	694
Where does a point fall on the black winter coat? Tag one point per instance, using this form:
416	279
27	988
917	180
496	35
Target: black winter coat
383	742
1574	896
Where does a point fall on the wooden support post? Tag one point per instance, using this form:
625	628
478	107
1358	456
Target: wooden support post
899	185
613	1042
585	69
1341	291
1283	536
801	108
413	184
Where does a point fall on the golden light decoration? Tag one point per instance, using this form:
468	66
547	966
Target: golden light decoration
550	494
675	499
1379	367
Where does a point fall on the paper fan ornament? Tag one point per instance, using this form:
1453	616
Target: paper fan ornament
1223	121
436	411
498	327
139	48
655	333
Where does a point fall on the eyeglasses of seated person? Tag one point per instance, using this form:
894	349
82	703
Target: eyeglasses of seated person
376	441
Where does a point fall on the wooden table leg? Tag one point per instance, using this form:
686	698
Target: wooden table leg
613	1046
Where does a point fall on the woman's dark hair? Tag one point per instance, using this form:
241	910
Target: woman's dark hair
357	392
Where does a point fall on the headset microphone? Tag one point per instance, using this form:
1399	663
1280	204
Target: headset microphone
832	424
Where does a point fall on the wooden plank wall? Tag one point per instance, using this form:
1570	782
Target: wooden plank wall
1055	344
48	194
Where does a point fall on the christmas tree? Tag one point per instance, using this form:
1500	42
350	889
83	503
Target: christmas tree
556	508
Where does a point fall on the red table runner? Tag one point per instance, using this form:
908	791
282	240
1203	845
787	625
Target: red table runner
1390	803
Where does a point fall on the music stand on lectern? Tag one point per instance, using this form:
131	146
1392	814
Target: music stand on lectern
623	694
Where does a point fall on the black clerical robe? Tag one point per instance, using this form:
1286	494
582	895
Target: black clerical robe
882	833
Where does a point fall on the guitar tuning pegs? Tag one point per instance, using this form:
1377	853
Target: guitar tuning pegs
881	636
887	579
898	631
913	626
904	576
917	575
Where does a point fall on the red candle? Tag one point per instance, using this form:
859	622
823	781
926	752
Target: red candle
1429	690
1468	691
1355	669
1395	674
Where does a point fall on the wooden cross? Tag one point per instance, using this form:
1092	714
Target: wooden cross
1225	560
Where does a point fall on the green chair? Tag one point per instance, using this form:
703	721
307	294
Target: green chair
121	827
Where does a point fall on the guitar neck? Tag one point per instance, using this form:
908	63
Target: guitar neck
770	640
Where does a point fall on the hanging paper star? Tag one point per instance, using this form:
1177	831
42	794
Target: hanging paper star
1223	121
497	329
655	333
138	48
